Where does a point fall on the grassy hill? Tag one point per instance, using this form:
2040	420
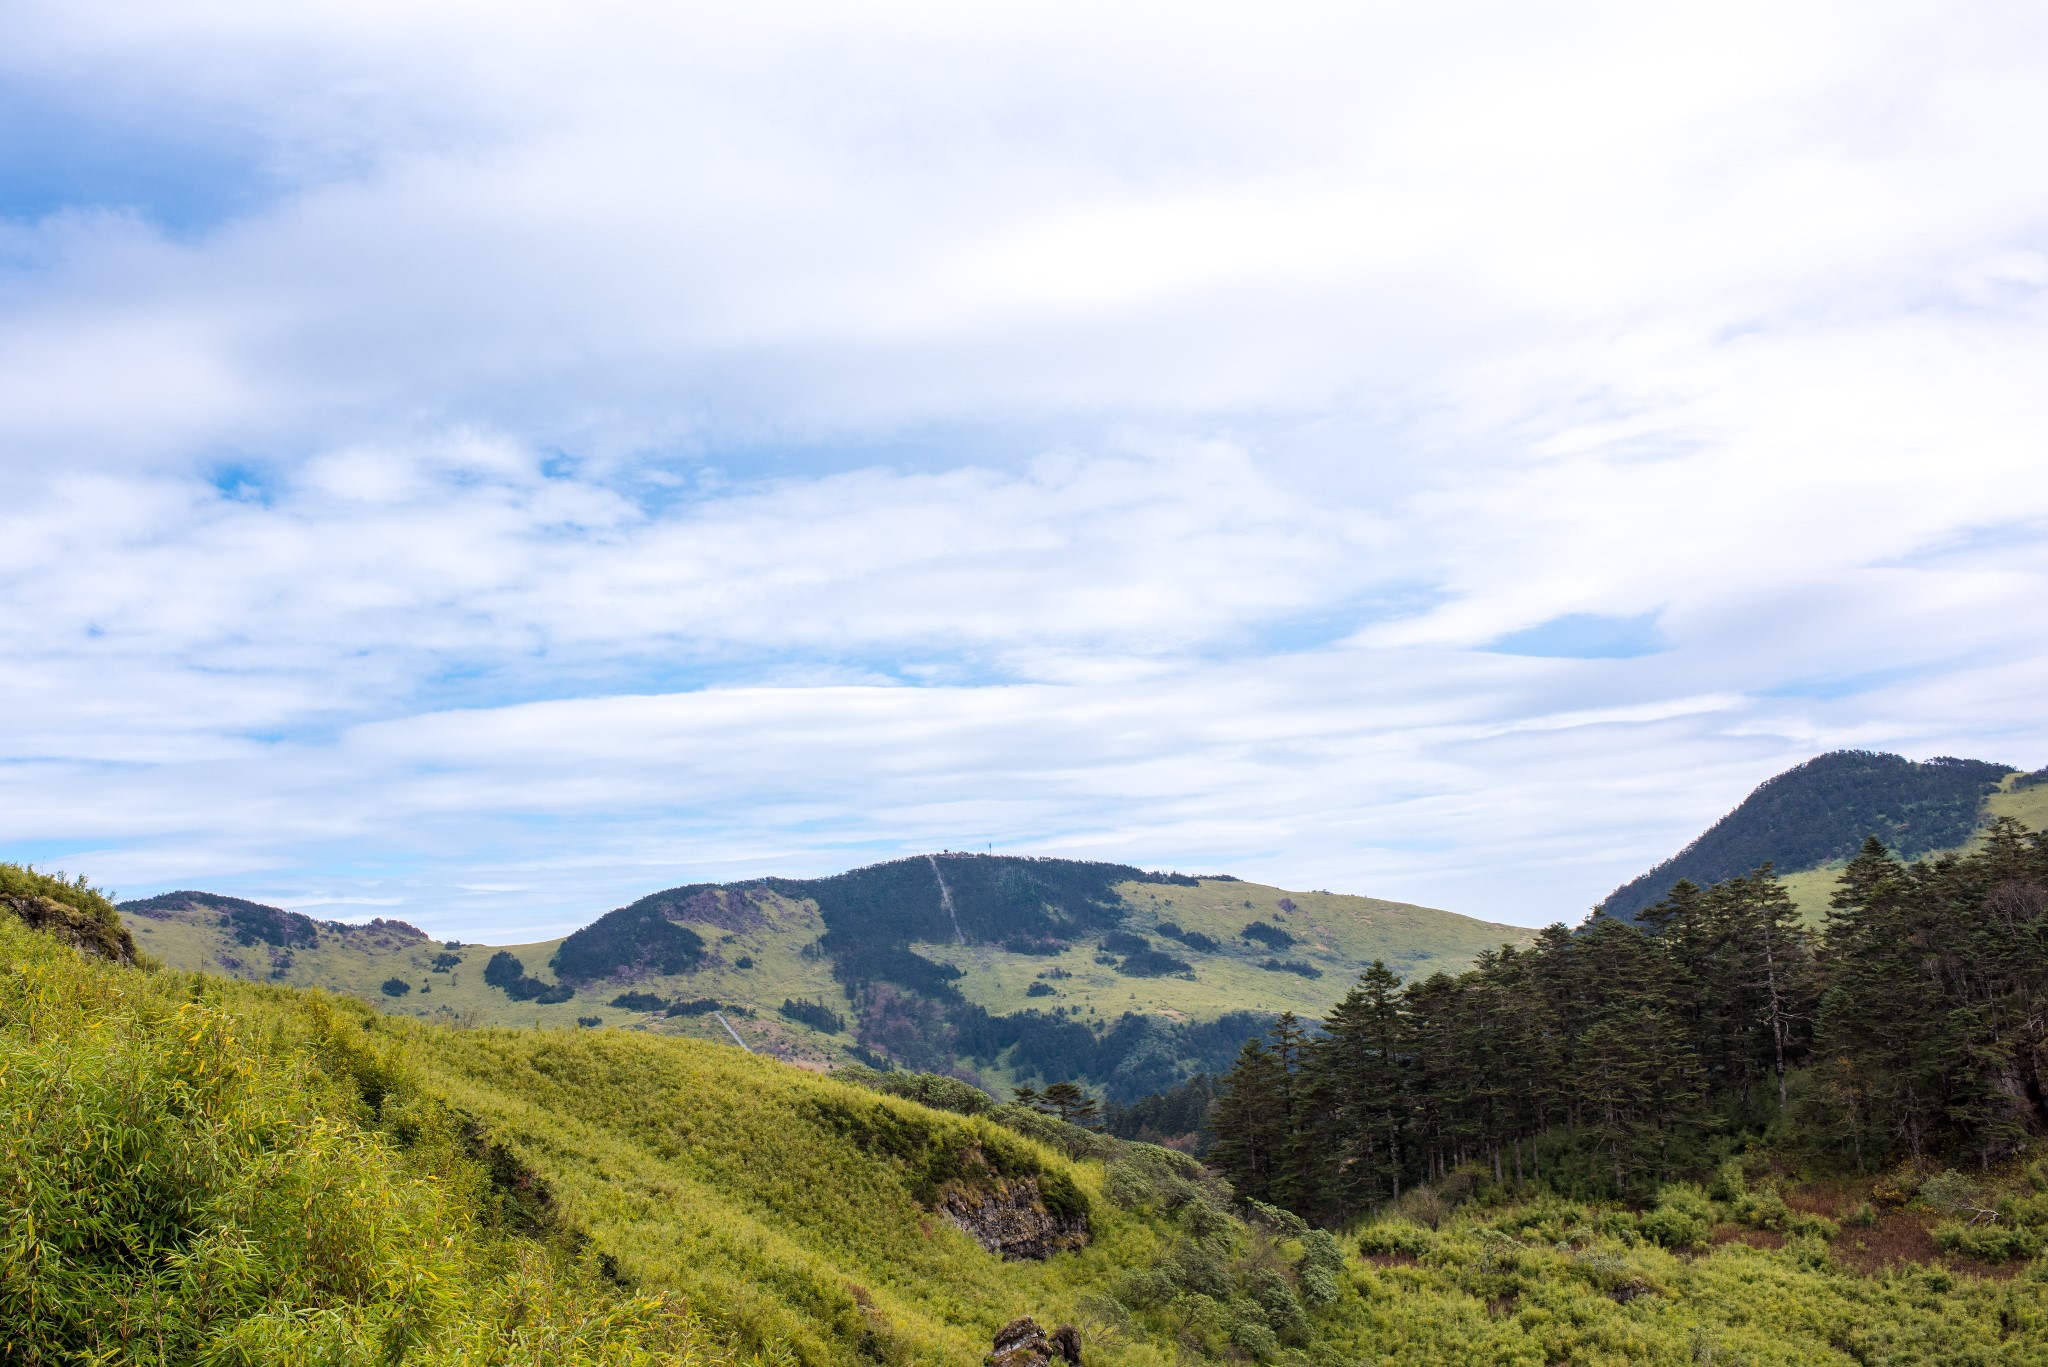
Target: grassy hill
1809	820
204	1170
1000	968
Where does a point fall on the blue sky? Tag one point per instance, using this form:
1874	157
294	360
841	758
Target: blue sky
482	463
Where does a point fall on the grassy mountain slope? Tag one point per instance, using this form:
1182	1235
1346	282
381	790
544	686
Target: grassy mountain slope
1812	818
883	952
214	1171
1335	934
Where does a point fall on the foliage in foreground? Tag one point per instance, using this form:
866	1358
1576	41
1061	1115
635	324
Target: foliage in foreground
185	1183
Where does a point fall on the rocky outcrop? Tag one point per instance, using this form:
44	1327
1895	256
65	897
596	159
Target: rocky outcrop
1008	1217
1021	1343
89	933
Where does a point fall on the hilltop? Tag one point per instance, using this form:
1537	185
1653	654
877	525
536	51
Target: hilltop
998	968
1811	819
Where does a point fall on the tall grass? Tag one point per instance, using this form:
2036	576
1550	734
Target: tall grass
189	1178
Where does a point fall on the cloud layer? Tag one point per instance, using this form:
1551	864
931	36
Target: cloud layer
491	463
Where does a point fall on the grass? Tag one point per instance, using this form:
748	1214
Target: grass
1338	934
205	1170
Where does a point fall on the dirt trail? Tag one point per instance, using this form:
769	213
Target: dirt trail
946	899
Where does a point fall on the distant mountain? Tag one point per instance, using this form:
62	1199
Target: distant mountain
1821	811
999	968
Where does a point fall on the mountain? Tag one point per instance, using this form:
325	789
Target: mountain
1815	815
209	1170
999	968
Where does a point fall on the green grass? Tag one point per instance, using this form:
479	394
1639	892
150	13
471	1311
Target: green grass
203	1170
1336	933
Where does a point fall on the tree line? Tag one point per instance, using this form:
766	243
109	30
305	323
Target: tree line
1914	1024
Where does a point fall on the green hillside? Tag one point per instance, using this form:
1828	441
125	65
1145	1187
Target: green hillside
1812	818
204	1170
1007	970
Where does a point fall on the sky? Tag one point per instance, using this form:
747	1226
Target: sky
480	463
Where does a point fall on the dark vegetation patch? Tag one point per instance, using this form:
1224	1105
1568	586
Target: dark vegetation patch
1123	942
1822	810
394	987
815	1014
635	939
1193	939
1299	967
444	963
873	915
640	1001
1177	1117
507	972
1152	963
1039	989
248	922
700	1006
1267	934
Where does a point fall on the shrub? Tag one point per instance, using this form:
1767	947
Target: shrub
1683	1218
1396	1237
1764	1209
1123	942
1205	944
700	1006
589	1022
1038	989
926	1089
1991	1243
639	1001
1152	963
1300	967
394	987
1271	936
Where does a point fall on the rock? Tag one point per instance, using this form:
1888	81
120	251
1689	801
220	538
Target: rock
1008	1218
1021	1343
82	929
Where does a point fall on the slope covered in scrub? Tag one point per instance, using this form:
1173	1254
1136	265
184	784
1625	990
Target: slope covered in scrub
203	1173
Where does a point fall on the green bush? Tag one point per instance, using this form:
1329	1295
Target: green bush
1683	1217
1991	1243
1395	1238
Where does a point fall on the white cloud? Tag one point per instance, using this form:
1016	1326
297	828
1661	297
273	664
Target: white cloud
659	442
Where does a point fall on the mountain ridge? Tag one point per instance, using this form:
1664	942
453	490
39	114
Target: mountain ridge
1042	968
1819	812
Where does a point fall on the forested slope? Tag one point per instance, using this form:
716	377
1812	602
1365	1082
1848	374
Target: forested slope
1822	811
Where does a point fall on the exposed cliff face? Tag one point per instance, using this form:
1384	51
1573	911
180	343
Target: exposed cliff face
1008	1217
87	932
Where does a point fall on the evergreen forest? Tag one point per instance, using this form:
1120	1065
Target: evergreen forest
1912	1029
